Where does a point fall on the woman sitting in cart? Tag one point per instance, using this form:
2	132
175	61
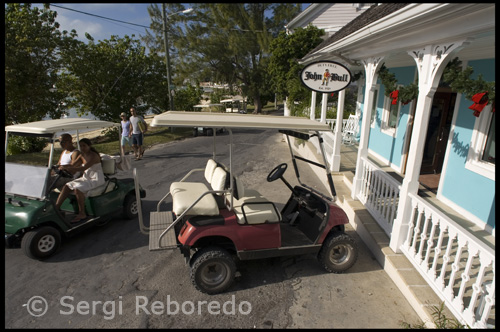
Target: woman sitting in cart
93	176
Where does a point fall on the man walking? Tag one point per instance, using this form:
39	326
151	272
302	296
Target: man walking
137	128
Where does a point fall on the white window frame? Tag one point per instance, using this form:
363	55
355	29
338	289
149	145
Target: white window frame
385	116
374	105
474	160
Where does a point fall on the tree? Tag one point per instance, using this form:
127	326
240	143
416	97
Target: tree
109	77
32	61
284	68
229	43
186	98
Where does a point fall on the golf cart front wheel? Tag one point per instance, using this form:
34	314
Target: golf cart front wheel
338	253
212	270
41	242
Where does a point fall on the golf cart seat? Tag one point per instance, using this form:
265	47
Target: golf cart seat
184	194
251	207
108	168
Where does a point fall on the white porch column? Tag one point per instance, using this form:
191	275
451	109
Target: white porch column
324	101
361	83
335	164
371	74
430	65
313	106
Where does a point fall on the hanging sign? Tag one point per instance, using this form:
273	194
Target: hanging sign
325	76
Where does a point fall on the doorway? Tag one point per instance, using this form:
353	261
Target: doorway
438	131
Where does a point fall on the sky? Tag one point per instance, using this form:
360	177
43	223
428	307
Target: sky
100	28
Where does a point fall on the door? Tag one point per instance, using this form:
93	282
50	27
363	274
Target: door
436	141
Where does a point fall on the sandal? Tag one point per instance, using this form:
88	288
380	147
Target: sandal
77	219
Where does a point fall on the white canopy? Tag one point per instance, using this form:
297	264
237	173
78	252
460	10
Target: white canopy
59	125
232	120
207	105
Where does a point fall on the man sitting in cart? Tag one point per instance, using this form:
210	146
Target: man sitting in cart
68	157
93	177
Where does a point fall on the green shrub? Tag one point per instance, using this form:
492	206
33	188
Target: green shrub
23	144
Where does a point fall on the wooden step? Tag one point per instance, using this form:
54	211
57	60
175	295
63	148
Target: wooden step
159	221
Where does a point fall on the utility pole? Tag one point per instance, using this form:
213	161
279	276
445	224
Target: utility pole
167	58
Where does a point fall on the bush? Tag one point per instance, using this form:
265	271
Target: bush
22	144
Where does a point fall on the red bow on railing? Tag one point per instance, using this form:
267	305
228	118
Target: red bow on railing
394	95
480	101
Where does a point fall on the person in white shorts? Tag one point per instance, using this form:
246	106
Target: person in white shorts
136	133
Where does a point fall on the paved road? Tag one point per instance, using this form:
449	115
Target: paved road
107	277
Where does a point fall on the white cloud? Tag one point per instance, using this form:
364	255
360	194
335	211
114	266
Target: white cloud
81	26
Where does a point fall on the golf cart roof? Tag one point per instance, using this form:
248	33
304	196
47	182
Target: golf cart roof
207	105
59	125
231	120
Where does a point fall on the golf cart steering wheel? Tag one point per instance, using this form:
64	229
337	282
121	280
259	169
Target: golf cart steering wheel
62	172
277	172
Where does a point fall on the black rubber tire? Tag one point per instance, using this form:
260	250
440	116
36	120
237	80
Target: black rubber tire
41	243
130	210
338	253
212	270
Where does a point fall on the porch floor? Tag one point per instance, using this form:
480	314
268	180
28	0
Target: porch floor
418	293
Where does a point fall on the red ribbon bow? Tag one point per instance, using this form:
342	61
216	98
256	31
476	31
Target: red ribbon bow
480	101
394	95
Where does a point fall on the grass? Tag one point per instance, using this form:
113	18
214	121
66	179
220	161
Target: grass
439	319
106	145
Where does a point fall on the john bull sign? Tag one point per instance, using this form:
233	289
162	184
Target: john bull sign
325	76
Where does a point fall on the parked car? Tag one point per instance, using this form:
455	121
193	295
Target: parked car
31	219
203	131
217	222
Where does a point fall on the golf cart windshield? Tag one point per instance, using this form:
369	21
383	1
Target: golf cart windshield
25	180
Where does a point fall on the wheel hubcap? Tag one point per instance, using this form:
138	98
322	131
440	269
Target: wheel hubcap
214	273
46	243
340	253
133	208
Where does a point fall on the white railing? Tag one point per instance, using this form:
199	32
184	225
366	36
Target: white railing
333	122
379	193
458	267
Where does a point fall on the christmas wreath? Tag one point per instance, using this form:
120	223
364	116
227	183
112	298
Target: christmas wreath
479	91
405	94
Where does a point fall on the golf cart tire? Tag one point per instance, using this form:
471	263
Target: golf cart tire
41	242
338	253
217	259
130	210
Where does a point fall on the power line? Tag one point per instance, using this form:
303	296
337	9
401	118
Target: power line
105	18
139	25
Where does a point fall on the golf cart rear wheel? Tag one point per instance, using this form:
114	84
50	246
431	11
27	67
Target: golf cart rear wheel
212	270
338	253
41	242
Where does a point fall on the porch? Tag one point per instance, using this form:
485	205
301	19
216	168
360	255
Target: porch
444	256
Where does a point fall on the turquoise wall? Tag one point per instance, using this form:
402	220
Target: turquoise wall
387	146
471	191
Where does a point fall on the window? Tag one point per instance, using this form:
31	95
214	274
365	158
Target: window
481	156
393	116
374	108
489	148
390	116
